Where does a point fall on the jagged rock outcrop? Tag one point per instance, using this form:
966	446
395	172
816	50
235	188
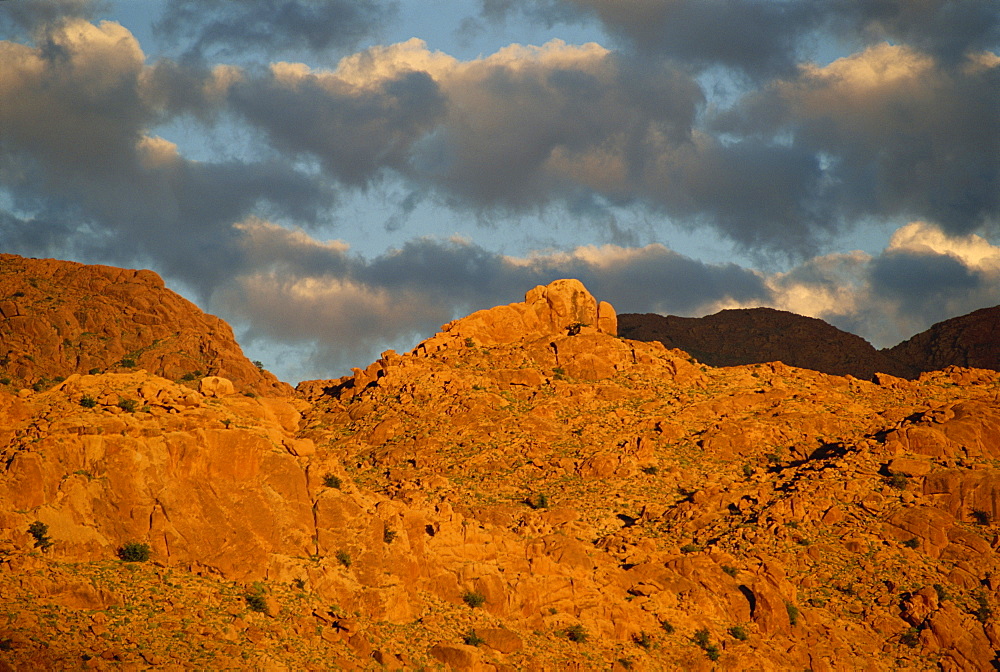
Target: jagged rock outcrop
754	335
966	341
58	318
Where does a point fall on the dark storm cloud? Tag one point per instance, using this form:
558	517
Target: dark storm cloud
901	135
762	38
234	27
357	133
918	279
73	148
18	16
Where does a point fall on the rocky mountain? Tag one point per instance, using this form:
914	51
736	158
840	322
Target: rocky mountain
757	335
59	317
523	491
969	340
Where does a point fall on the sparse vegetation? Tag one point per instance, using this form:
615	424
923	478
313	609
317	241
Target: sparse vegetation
898	481
702	638
88	401
738	632
690	548
343	557
980	517
388	535
127	405
538	501
127	363
667	626
793	613
651	470
255	599
910	638
40	531
730	570
643	640
473	599
472	639
912	543
134	551
332	481
577	633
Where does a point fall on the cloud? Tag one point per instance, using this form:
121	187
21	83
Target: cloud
763	39
75	148
227	29
898	135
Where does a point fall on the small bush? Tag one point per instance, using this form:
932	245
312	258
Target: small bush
747	471
127	405
793	613
982	612
690	548
898	481
473	599
712	651
910	638
88	402
40	531
127	363
980	516
259	364
738	632
667	626
343	557
332	481
388	535
574	329
538	501
5	380
255	601
651	470
577	633
643	640
730	570
912	543
94	371
469	343
942	593
134	551
701	637
188	377
472	639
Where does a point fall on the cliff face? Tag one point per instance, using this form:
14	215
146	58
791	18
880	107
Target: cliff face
757	335
524	490
969	340
59	317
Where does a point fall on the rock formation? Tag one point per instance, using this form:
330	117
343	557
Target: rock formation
757	335
59	317
524	490
970	340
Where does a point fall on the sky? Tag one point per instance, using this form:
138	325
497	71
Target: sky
336	178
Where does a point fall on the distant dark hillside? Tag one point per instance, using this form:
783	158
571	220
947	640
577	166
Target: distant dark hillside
753	335
971	340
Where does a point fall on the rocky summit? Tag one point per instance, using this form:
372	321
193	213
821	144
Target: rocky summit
525	490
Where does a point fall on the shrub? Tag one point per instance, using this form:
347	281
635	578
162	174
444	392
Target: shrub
942	593
730	570
127	363
982	612
88	402
388	535
701	637
980	516
793	613
912	543
127	405
712	651
577	633
255	600
473	599
472	639
469	343
134	551
898	481
40	531
5	381
538	501
94	371
343	557
259	364
643	640
747	471
651	470
910	638
332	481
667	626
738	632
690	548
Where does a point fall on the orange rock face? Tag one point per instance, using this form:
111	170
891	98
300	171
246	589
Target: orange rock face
59	317
524	490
